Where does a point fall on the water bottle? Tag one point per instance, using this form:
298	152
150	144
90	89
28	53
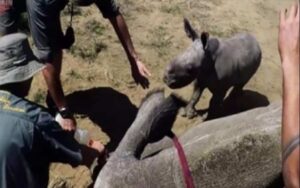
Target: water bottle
82	136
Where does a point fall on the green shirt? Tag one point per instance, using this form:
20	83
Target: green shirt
30	140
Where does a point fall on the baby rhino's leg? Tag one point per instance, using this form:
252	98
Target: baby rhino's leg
215	104
190	111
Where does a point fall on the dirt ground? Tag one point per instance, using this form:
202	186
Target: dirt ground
96	74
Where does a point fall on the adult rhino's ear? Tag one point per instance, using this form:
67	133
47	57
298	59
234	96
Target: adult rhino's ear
204	39
190	32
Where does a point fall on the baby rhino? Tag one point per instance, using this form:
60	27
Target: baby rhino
215	64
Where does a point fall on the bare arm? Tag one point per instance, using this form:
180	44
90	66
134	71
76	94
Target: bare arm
139	71
289	51
52	77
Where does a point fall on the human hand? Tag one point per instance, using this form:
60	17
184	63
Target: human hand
97	145
288	42
67	124
140	73
94	155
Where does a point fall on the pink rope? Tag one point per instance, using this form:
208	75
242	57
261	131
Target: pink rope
184	164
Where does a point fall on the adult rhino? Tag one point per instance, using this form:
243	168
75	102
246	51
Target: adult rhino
237	151
216	64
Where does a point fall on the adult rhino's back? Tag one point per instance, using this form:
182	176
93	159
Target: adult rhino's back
237	58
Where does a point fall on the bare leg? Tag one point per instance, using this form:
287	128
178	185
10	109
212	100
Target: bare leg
190	110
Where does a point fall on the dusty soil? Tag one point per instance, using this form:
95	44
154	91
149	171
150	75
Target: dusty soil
96	74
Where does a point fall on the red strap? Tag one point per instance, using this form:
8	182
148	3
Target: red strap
184	164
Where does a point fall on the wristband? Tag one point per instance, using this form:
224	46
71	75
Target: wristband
293	144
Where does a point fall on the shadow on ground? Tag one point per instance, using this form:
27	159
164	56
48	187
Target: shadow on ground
106	107
247	101
277	182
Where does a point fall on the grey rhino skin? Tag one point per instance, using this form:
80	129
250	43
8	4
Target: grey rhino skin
239	151
215	64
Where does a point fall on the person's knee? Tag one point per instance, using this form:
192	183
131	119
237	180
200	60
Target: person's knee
44	55
48	55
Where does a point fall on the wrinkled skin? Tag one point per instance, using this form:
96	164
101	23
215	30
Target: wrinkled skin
245	152
154	120
214	64
183	69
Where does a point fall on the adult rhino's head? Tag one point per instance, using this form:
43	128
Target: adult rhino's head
158	115
185	67
154	121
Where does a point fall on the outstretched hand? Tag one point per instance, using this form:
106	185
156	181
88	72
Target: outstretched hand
288	42
140	73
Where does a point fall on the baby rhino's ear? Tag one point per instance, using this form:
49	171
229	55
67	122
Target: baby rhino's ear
204	39
190	32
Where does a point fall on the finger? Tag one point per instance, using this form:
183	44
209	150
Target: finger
298	11
69	127
146	83
293	12
143	73
144	86
136	81
142	82
148	72
282	16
